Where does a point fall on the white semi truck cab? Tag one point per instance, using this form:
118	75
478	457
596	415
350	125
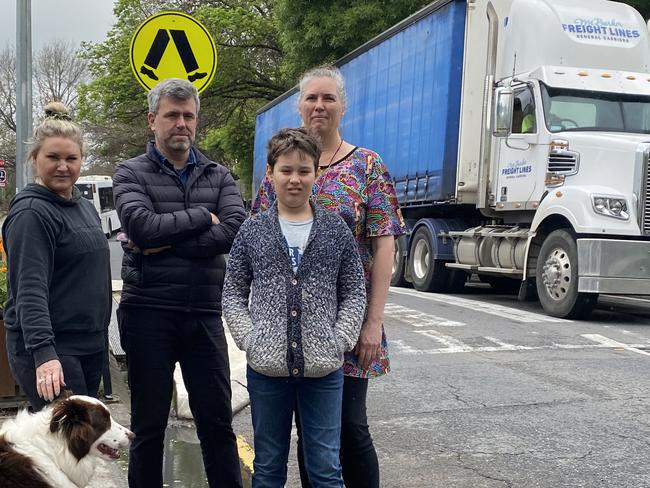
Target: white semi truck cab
563	173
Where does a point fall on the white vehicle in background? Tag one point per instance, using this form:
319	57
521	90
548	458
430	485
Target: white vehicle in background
99	190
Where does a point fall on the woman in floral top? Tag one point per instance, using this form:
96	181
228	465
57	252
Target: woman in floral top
353	182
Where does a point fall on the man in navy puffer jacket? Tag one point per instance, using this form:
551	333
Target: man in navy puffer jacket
181	213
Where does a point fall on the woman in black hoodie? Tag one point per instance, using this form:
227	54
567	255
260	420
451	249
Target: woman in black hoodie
58	267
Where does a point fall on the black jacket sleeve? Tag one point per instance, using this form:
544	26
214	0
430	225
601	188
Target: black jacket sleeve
31	260
143	225
218	239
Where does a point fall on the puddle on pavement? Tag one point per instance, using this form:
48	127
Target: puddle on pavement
182	461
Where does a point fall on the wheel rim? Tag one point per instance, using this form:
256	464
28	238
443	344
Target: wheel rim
556	274
421	259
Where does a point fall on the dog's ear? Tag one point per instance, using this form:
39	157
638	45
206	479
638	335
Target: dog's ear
65	410
79	440
65	394
58	415
71	419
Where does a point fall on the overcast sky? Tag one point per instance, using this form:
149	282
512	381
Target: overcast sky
74	20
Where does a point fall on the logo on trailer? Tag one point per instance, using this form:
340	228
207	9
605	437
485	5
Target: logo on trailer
598	29
173	45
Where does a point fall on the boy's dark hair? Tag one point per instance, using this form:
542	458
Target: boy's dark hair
286	140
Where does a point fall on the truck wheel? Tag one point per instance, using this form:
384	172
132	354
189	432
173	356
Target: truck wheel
428	274
399	264
557	278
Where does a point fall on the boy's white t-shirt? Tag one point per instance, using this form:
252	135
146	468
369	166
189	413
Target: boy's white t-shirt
296	235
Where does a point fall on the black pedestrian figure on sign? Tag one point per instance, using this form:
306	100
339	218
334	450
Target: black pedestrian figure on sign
184	49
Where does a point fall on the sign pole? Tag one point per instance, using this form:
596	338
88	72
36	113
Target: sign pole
23	90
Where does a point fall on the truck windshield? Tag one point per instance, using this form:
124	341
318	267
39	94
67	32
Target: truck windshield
577	110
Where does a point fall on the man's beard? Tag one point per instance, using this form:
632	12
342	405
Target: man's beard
179	144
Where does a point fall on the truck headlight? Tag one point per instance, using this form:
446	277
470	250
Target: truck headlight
610	206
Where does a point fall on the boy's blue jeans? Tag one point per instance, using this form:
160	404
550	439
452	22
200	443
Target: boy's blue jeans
272	404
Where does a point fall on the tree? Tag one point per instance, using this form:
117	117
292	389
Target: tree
58	72
8	88
248	77
315	33
114	105
643	6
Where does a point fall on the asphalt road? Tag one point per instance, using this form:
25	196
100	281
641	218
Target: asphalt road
486	391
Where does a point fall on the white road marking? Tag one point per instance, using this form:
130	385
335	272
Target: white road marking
479	306
645	301
445	340
630	333
453	345
504	345
416	318
607	342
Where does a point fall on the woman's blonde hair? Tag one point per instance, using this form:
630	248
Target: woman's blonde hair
324	72
57	123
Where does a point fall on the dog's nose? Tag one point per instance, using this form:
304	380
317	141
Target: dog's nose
130	435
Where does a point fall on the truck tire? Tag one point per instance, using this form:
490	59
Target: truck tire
427	273
399	264
557	278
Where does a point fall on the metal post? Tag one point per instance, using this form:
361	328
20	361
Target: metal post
23	90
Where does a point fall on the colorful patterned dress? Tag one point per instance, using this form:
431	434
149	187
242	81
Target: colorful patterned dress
359	188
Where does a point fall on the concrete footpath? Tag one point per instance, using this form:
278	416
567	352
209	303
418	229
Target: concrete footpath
114	475
181	403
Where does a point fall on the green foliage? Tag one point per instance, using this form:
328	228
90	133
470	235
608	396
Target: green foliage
315	33
114	105
234	139
247	78
643	6
262	47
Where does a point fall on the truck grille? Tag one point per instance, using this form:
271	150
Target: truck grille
645	196
561	161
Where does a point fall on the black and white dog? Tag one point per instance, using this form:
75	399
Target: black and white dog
59	447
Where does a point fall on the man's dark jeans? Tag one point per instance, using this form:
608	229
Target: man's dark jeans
154	340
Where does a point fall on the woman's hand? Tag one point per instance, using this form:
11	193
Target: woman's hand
368	346
49	379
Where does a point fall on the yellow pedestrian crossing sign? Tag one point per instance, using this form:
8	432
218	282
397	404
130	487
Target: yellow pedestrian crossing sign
173	45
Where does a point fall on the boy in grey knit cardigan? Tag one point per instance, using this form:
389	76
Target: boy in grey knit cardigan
300	267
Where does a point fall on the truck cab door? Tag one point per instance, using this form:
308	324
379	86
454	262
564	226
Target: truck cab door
520	168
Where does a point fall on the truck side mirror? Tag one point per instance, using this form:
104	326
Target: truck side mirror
502	126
